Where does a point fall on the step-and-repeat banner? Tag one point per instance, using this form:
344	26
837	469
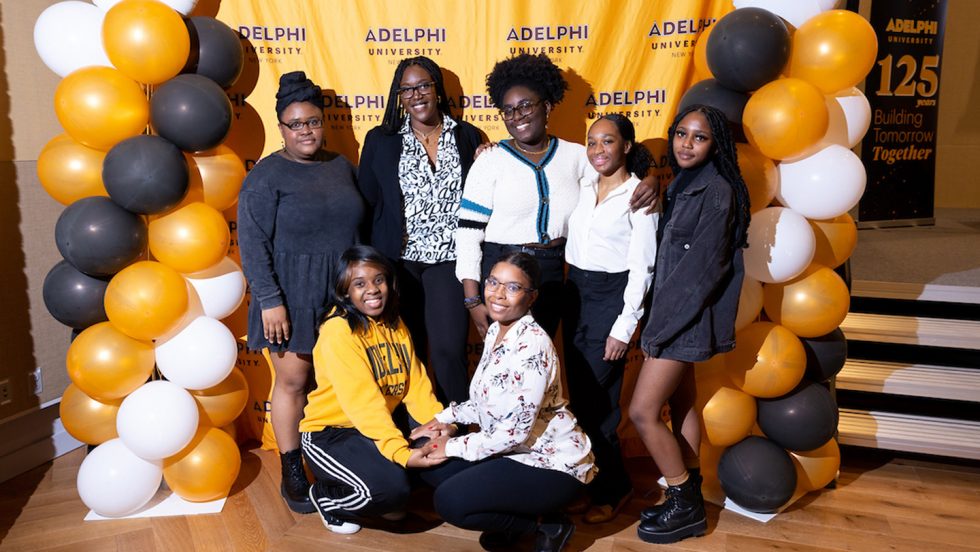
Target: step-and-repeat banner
633	57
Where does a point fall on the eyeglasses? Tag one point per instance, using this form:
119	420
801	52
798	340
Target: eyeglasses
522	109
512	289
300	125
423	88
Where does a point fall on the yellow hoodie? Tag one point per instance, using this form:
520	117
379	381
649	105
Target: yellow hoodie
362	377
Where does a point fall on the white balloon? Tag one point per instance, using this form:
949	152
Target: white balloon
824	185
183	6
157	420
796	12
200	356
750	301
850	117
68	36
114	482
781	245
221	288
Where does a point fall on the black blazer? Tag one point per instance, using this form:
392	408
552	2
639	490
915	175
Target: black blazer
377	178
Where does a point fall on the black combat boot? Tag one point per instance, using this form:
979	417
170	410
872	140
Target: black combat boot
295	487
652	512
682	517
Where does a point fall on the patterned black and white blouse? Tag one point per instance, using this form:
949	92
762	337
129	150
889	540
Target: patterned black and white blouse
431	196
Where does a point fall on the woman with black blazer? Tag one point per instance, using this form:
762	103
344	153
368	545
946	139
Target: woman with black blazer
412	171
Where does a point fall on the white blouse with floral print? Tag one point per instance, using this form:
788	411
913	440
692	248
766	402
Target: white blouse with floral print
516	399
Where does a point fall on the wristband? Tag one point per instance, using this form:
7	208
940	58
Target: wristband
470	302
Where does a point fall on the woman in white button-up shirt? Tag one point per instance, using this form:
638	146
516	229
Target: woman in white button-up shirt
611	251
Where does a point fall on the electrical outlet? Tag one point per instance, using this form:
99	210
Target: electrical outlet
5	397
35	383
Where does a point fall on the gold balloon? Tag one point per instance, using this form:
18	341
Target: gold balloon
145	39
231	430
785	117
833	50
100	107
107	364
810	305
728	416
190	239
86	419
206	469
223	402
836	240
701	70
749	303
70	171
760	175
768	360
216	177
817	467
146	299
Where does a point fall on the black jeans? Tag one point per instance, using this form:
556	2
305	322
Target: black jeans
547	308
593	301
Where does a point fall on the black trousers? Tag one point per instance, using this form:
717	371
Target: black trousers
547	308
593	301
432	308
501	495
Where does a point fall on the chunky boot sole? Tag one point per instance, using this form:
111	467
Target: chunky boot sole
696	529
300	507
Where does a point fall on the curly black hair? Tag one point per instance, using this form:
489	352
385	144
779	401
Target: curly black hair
339	302
725	158
394	113
639	158
537	72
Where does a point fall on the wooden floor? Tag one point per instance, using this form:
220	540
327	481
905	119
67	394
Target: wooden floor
881	503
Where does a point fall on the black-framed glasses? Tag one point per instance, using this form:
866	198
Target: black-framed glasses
296	126
423	89
512	289
522	109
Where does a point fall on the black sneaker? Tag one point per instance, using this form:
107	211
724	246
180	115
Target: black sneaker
553	535
330	521
295	487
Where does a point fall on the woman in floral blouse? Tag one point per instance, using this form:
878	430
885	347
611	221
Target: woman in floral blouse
529	458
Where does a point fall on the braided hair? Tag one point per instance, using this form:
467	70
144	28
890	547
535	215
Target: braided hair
536	72
725	158
639	158
394	113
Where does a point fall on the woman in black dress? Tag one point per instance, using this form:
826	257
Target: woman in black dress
298	210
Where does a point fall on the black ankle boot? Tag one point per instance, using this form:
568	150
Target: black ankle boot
295	487
652	512
682	517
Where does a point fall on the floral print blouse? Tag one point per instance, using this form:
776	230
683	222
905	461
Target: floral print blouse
516	399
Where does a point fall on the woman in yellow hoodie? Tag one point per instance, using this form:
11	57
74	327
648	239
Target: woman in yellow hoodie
365	367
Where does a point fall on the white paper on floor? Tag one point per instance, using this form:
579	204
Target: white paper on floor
730	505
167	503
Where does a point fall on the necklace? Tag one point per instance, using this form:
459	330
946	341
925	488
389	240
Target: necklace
529	152
424	136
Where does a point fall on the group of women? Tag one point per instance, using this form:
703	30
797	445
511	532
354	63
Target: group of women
462	232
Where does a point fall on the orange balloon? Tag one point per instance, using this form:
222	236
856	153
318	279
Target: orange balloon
190	239
810	305
785	117
231	430
836	240
728	416
760	175
107	364
749	303
768	360
701	70
206	469
833	50
818	467
100	107
146	299
216	177
225	401
145	39
86	419
70	171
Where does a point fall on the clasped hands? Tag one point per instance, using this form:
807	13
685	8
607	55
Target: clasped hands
433	452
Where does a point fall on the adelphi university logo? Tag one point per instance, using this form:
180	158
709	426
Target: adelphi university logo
554	40
268	43
674	34
635	104
401	42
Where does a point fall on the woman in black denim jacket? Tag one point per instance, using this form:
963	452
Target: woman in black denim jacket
697	280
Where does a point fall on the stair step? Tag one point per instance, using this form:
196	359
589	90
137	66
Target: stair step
916	380
915	292
911	330
908	433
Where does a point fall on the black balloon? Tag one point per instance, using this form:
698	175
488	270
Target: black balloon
803	419
216	51
191	111
145	174
748	48
73	298
99	237
710	92
825	355
757	474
